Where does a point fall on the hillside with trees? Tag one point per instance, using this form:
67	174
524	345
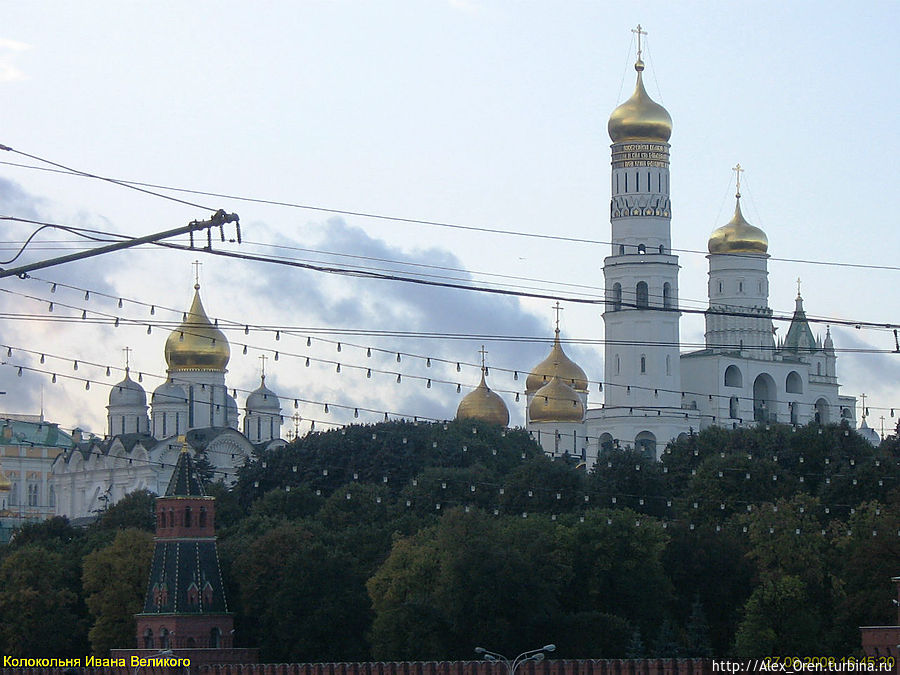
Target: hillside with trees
420	541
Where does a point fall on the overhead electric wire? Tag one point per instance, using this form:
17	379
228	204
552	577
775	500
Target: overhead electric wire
414	221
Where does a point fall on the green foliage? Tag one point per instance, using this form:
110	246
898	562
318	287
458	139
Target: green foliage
114	579
135	510
41	611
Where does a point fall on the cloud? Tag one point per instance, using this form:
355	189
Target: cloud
9	49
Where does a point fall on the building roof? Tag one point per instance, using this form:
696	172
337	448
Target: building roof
184	481
44	434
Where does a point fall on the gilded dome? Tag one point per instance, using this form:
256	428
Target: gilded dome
640	118
556	363
483	404
5	484
127	392
738	236
197	344
556	401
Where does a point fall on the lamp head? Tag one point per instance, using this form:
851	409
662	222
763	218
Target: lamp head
549	648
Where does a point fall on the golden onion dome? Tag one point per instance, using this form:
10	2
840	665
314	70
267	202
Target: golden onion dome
556	401
738	236
5	484
483	404
556	363
640	118
197	344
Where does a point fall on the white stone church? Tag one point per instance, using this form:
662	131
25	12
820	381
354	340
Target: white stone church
652	392
191	407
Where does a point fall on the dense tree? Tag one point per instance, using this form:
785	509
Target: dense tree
41	611
134	510
115	580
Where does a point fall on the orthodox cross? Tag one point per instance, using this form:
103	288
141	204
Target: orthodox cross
558	309
637	31
863	397
127	351
737	172
196	264
263	358
483	353
798	287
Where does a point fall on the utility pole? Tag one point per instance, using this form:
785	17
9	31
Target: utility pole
218	219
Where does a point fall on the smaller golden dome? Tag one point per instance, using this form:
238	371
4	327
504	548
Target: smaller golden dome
738	236
556	401
556	363
197	344
5	484
640	118
483	404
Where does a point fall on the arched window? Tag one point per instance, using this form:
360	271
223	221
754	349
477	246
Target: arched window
187	516
822	416
617	297
764	399
733	377
163	638
606	442
618	365
645	442
643	364
202	522
662	249
215	638
667	295
734	408
642	249
642	295
794	383
161	518
148	639
621	249
794	417
51	496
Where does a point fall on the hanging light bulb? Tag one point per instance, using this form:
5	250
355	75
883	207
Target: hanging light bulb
84	314
246	330
457	367
309	342
368	372
428	362
245	349
368	351
42	360
428	385
116	322
53	379
120	303
53	288
87	384
153	310
515	374
356	412
50	308
339	346
307	362
75	365
181	336
338	369
140	376
398	378
458	388
148	329
20	371
326	407
385	417
276	356
87	295
107	367
277	334
296	404
398	357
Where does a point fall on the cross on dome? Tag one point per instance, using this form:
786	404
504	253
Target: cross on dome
637	31
127	351
196	265
558	308
483	353
738	170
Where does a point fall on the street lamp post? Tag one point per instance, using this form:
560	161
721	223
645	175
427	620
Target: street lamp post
511	666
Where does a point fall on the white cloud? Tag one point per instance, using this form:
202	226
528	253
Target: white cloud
9	49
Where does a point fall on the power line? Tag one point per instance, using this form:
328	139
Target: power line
415	221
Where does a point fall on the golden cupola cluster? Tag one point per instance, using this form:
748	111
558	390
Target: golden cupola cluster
197	344
737	235
557	384
640	118
483	404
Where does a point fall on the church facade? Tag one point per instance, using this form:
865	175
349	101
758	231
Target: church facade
653	393
191	408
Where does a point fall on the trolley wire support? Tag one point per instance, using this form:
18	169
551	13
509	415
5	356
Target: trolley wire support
218	220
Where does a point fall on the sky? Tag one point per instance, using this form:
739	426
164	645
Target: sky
474	113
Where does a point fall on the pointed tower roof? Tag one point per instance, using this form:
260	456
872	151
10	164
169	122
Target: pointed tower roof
799	337
184	481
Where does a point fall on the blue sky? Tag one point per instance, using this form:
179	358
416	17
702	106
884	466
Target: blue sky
486	114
